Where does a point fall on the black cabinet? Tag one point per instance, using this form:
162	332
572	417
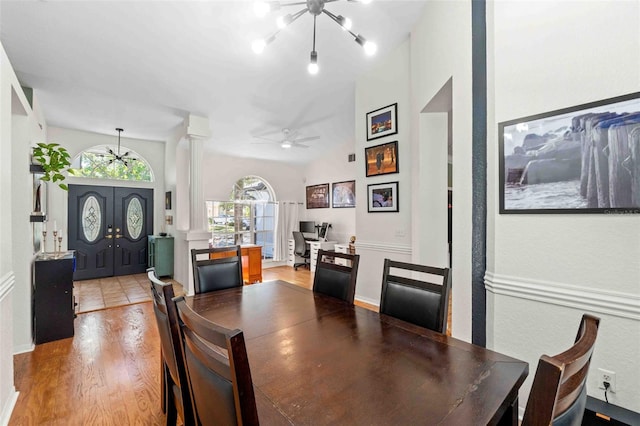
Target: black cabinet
53	304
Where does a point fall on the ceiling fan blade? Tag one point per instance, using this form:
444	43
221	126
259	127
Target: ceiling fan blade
299	145
308	138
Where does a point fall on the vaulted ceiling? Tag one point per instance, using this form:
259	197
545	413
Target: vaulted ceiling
146	65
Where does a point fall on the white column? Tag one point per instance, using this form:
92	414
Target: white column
196	211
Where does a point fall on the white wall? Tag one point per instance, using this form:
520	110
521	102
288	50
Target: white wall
389	234
438	55
547	270
334	167
16	120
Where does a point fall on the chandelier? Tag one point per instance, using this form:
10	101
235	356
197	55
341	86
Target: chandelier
124	158
315	8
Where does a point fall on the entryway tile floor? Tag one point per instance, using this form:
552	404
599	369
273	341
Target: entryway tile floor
103	293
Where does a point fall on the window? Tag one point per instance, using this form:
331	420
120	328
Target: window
96	163
247	218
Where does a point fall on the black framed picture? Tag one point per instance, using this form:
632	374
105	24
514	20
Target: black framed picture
382	122
382	197
167	200
381	159
318	196
343	194
581	159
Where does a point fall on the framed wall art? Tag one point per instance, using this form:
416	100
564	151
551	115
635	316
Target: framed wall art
381	159
343	194
581	159
382	197
382	122
167	200
318	196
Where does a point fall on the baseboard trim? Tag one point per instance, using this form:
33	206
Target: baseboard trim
623	305
22	349
7	410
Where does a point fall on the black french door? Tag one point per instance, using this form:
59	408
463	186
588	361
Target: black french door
108	228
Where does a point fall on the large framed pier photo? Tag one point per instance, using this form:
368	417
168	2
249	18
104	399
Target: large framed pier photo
581	159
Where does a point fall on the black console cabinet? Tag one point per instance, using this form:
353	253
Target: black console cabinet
53	304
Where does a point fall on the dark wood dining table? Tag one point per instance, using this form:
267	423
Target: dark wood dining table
316	360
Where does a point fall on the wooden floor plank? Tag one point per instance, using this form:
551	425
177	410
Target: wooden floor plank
109	372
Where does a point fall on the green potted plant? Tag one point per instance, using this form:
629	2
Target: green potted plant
54	160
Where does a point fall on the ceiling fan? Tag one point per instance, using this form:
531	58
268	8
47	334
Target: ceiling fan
289	139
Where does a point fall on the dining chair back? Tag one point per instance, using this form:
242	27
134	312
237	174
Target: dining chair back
218	370
558	395
174	386
301	249
336	274
423	302
221	268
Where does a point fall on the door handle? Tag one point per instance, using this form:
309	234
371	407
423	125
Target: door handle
118	235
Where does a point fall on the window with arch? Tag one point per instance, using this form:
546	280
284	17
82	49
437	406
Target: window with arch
248	217
97	163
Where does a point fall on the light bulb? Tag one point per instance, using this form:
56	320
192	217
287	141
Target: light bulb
261	8
370	48
345	23
365	1
258	46
313	63
280	22
286	144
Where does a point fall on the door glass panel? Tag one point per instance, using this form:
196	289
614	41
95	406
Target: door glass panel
134	218
91	218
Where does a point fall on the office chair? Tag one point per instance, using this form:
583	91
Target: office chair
301	249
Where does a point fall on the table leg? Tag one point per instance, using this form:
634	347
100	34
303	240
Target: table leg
510	417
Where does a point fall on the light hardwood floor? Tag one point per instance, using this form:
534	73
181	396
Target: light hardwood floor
108	373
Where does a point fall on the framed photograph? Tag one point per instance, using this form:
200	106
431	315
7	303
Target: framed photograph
581	159
381	159
382	122
343	194
318	196
167	200
382	197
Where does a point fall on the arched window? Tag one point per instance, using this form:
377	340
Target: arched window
248	217
97	163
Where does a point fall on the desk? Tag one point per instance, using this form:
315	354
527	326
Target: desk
317	360
251	262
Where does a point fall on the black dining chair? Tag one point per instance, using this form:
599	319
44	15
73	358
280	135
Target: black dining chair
176	399
336	279
558	395
218	370
423	302
301	249
220	269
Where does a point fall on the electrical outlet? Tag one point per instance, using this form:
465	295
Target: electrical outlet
607	376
